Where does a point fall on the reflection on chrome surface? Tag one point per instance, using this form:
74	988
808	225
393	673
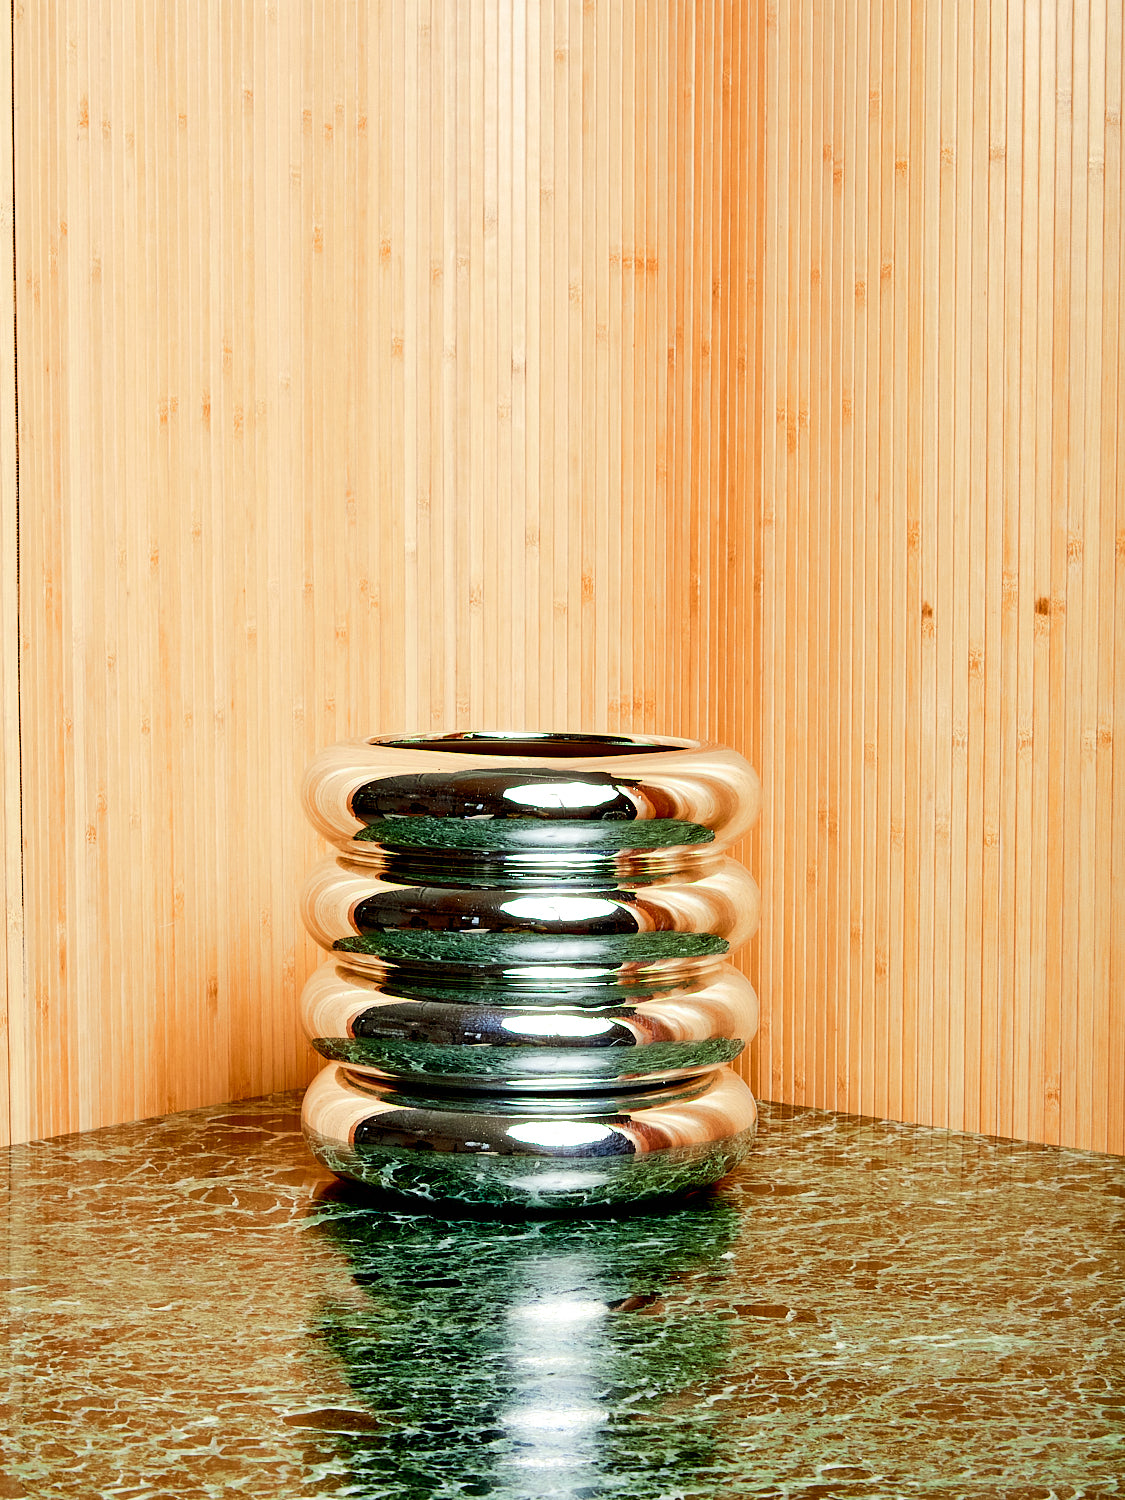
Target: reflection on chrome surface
555	795
538	1153
520	917
560	1035
343	900
636	779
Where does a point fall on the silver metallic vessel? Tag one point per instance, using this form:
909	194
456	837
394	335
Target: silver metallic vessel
528	938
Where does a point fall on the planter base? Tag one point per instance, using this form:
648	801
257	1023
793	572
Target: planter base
531	1154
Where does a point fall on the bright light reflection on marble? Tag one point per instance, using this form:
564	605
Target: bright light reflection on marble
565	1310
558	1419
569	1420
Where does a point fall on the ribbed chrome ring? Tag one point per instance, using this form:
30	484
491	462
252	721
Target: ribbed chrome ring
601	789
552	1152
617	1033
348	907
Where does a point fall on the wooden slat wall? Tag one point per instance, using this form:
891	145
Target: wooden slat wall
750	372
943	564
11	880
378	370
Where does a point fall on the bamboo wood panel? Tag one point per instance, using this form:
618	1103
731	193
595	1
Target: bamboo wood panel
742	372
382	367
11	892
943	565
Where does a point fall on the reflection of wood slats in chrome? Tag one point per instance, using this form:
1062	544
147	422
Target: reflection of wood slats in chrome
743	371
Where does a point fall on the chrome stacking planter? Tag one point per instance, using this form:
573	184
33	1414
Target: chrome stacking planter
527	999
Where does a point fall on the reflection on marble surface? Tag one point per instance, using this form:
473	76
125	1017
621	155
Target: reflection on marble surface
511	1351
863	1310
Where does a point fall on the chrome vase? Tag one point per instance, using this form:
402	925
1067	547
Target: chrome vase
527	999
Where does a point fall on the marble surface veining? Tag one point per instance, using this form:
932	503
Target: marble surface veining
862	1310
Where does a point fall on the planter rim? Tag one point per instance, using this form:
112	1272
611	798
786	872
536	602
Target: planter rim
509	745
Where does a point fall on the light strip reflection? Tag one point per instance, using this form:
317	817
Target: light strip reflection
558	1362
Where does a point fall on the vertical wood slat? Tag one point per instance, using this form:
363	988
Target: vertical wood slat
977	651
13	1019
368	370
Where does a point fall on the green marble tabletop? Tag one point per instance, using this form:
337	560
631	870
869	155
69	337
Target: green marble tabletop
863	1310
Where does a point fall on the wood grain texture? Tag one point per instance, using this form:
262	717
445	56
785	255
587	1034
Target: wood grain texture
943	565
12	1013
379	369
752	373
